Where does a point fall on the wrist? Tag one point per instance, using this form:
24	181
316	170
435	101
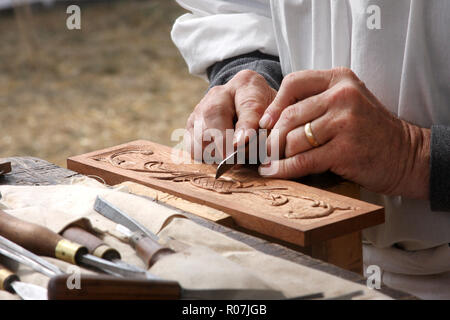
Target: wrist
414	180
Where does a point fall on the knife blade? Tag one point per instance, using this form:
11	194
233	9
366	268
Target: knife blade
116	215
226	164
232	160
10	282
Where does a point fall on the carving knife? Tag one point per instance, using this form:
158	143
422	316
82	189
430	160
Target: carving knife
232	160
109	288
43	241
11	282
143	240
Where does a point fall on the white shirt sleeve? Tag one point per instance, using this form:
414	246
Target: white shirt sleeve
216	30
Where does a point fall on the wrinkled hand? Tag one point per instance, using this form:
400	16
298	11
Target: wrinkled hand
359	138
237	105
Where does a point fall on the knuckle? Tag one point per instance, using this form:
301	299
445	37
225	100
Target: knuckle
345	72
212	111
348	91
246	75
289	114
217	90
303	162
289	79
251	104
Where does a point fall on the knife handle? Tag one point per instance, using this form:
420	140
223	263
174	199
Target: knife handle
94	287
148	249
6	278
95	245
38	239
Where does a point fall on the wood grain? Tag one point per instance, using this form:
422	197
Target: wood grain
112	288
248	210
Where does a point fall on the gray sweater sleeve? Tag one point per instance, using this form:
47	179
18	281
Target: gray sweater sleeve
440	168
266	65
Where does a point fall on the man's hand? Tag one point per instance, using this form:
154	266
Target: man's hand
359	139
238	105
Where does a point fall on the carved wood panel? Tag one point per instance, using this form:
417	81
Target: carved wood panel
283	209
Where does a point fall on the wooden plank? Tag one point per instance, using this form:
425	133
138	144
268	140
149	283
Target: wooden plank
263	205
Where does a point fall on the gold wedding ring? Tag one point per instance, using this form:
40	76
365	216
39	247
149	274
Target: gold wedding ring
310	136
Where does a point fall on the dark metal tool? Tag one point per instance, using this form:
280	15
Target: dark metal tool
234	158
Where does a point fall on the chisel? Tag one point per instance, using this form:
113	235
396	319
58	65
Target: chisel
11	282
143	240
110	288
95	246
42	241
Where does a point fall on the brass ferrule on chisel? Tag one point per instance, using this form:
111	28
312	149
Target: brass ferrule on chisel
106	252
69	251
6	278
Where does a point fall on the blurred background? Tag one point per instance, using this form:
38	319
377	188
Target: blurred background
66	92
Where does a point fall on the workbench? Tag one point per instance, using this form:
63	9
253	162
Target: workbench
34	171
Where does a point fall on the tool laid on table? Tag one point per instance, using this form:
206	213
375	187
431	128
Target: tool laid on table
110	288
10	282
27	291
21	255
96	246
143	240
43	241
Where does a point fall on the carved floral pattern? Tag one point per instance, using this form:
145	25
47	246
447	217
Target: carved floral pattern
297	207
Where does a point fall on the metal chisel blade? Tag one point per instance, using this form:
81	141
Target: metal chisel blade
28	291
224	166
113	213
22	255
121	269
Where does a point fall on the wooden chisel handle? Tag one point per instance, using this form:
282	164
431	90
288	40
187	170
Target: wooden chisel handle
148	249
38	239
95	245
6	278
112	288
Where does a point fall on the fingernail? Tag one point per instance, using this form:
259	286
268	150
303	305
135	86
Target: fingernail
265	121
264	170
265	165
238	137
